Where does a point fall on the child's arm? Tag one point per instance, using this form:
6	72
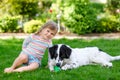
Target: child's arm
26	41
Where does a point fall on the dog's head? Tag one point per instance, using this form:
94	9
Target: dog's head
59	52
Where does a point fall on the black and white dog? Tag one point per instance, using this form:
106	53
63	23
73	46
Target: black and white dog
67	58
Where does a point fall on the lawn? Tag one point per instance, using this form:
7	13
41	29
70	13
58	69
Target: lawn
9	50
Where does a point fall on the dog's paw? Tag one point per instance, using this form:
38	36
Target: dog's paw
51	69
64	68
109	65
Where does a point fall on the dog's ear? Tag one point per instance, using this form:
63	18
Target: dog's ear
52	51
65	51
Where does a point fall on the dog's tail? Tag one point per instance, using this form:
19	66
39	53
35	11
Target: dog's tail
115	58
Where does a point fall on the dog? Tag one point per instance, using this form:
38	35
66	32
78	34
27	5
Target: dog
65	57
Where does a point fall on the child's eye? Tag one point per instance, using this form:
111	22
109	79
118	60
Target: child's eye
48	31
52	34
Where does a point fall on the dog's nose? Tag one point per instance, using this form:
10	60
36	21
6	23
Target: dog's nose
58	64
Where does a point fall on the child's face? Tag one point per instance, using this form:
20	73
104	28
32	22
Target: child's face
47	33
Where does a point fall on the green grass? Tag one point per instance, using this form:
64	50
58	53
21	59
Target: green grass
9	50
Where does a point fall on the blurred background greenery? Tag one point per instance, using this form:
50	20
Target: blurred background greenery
77	16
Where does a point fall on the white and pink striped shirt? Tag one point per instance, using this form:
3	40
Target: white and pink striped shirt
35	46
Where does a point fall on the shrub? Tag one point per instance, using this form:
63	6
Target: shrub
32	26
113	5
81	18
8	24
107	24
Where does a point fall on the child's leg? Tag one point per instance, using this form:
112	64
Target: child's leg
22	58
30	67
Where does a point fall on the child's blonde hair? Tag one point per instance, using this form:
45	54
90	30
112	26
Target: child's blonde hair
50	24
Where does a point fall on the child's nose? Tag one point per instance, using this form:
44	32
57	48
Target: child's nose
49	34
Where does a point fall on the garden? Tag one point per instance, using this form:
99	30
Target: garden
80	17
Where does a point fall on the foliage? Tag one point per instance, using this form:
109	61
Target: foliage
20	7
82	17
8	24
108	23
113	5
44	8
90	72
79	16
32	26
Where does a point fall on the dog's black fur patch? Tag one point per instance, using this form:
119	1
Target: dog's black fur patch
65	52
53	51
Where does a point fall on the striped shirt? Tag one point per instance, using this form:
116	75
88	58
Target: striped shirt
35	46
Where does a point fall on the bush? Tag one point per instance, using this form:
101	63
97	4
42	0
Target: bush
32	26
82	16
113	5
107	25
8	24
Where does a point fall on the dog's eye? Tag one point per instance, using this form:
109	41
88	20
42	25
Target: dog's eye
61	58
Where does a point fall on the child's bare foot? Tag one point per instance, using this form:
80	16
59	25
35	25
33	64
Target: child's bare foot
8	70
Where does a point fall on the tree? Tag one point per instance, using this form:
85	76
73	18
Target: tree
19	7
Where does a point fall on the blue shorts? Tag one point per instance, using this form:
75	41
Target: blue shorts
32	59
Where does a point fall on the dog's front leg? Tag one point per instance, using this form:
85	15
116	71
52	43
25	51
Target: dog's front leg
51	64
69	66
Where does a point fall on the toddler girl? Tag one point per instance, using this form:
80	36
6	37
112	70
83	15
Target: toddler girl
33	48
